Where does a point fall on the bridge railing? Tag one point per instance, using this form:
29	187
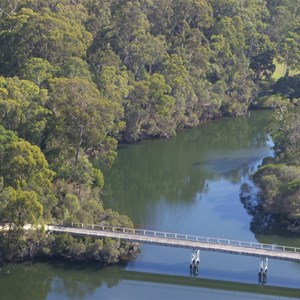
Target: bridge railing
180	236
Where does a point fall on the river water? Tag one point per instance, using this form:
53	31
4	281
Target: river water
188	184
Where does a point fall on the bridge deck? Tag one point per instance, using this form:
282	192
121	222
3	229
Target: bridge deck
184	241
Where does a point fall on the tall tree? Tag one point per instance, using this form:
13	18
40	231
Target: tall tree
84	122
289	51
23	166
22	108
47	35
149	109
37	70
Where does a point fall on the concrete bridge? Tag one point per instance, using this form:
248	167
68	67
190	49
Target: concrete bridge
181	240
193	242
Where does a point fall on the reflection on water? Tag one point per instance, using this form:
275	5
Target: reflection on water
177	170
67	280
229	165
88	281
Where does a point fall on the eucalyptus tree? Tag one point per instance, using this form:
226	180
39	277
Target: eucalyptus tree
289	51
38	70
83	121
149	109
47	35
26	195
22	108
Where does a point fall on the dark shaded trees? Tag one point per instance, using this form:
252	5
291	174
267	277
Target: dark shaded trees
276	208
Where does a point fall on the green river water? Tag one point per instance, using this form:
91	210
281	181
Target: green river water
188	184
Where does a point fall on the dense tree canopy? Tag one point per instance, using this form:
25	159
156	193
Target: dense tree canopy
77	77
212	54
84	120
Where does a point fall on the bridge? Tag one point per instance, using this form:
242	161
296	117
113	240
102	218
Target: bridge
193	242
180	240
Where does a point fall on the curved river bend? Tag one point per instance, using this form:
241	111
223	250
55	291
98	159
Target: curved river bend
188	184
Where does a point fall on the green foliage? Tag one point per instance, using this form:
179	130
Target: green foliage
76	77
289	51
149	109
114	84
22	108
22	207
24	183
75	67
24	166
288	87
6	137
37	70
74	248
262	64
285	131
212	54
82	121
28	196
279	181
47	35
280	189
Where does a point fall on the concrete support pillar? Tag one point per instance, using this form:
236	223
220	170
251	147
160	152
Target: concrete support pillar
263	270
194	262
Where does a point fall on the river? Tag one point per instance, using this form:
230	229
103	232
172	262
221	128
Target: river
188	184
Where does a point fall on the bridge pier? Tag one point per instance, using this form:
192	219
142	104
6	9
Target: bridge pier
194	263
263	270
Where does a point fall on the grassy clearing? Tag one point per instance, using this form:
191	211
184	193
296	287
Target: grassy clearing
281	69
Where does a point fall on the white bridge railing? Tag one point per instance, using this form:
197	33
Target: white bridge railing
179	236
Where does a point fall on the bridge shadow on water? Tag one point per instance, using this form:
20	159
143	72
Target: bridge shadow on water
208	278
37	280
196	281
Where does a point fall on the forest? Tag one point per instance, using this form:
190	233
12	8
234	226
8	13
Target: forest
79	77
